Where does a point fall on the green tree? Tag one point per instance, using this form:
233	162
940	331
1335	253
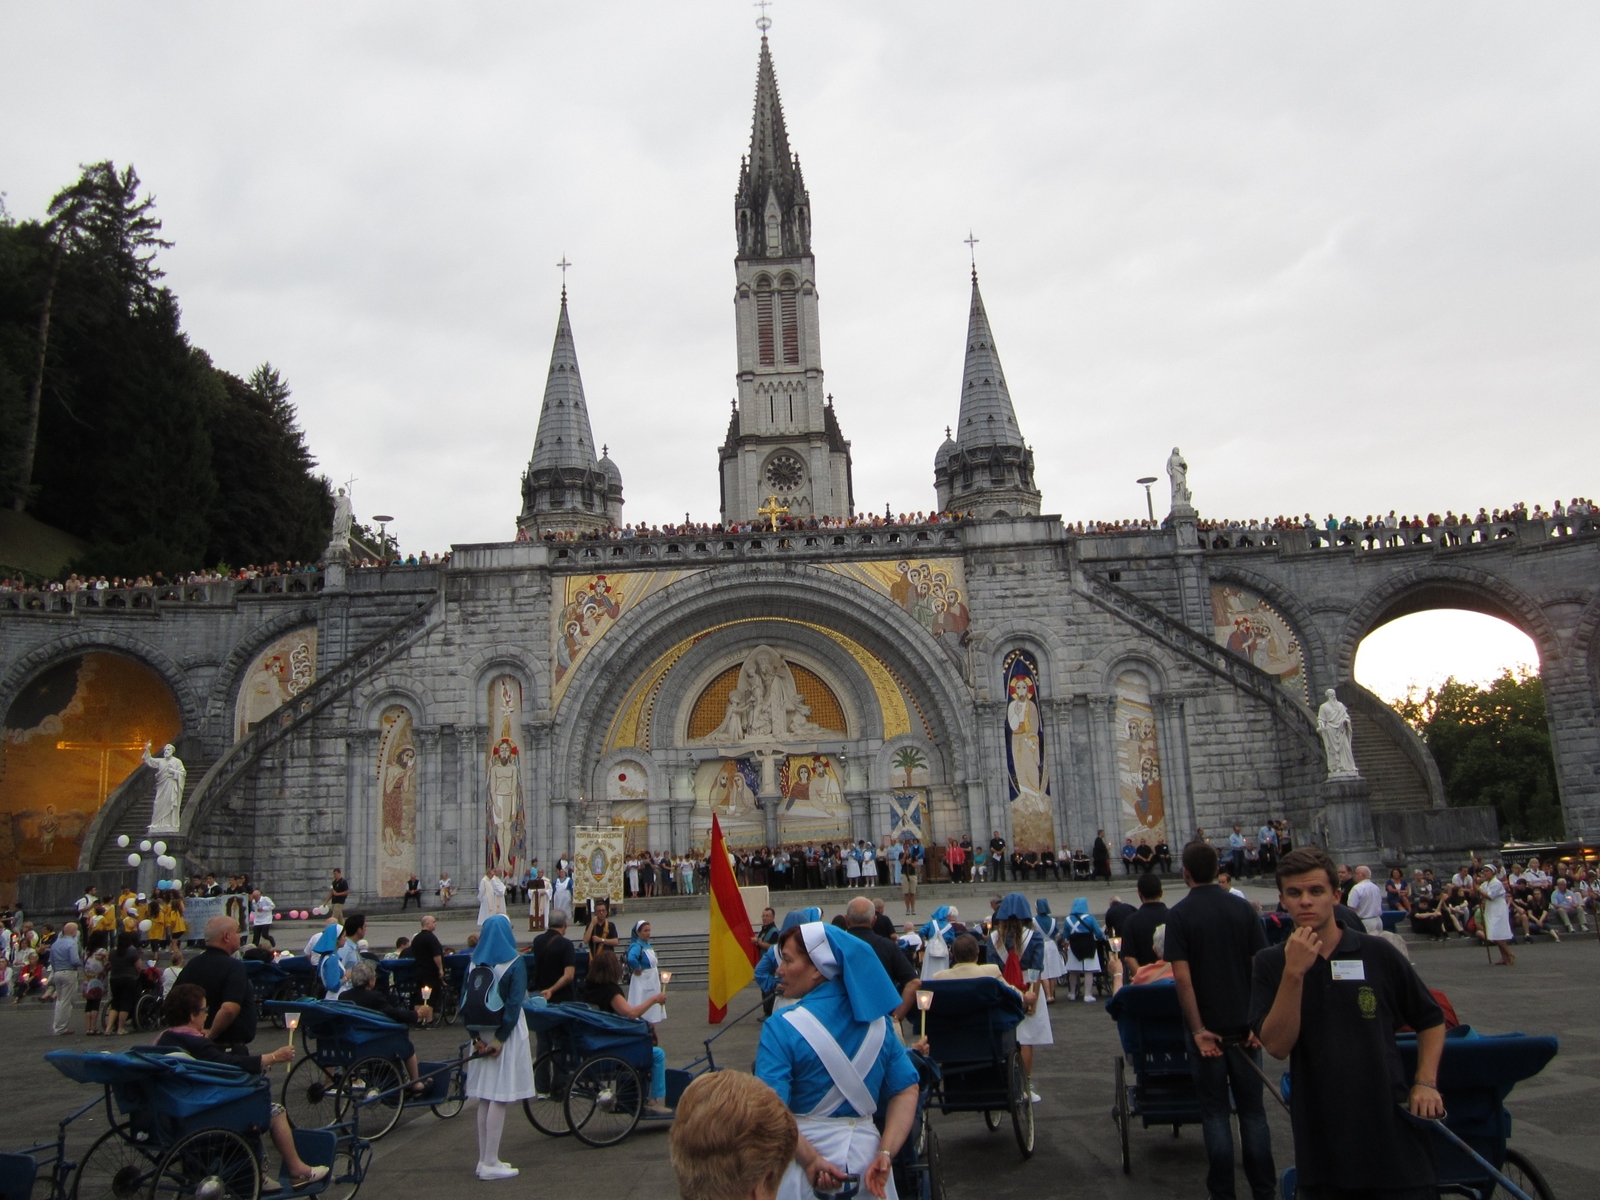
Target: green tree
268	506
1492	745
909	759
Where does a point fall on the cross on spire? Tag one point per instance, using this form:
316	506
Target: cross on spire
563	264
763	22
972	250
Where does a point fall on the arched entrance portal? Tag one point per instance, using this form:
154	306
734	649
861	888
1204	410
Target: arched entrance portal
74	732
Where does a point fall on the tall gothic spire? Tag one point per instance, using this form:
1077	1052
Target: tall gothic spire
771	208
565	487
986	468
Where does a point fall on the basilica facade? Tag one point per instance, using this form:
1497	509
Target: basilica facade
815	682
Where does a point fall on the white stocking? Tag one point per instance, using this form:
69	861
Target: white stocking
491	1124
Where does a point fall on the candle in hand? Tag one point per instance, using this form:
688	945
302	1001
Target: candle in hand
924	1002
291	1022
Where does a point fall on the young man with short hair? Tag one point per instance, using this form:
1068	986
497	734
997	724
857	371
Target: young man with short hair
1329	999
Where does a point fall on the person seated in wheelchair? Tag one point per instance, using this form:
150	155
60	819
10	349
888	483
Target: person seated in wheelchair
603	989
184	1012
361	978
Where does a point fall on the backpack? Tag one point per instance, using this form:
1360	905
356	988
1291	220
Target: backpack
481	998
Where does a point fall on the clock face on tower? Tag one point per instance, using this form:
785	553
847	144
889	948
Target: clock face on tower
785	472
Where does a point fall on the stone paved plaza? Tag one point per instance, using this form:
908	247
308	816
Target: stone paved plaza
1551	990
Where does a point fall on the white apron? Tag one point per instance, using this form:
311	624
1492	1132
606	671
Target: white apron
850	1143
1054	965
935	952
645	984
1034	1030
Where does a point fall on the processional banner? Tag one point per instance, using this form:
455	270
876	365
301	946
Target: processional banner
598	854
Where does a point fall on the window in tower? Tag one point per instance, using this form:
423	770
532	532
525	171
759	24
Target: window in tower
764	339
774	233
791	327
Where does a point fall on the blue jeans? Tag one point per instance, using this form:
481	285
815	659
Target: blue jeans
658	1073
1213	1078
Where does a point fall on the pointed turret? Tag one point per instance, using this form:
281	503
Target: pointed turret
565	488
987	469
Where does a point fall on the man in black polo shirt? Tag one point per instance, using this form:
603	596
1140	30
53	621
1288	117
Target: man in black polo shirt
555	962
426	949
1329	999
997	856
230	1000
858	922
1211	940
1139	930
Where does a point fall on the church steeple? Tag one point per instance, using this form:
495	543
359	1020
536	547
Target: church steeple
772	212
784	439
565	487
987	468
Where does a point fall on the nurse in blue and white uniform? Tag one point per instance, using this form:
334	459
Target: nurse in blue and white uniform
767	968
330	966
644	973
938	935
835	1060
1017	948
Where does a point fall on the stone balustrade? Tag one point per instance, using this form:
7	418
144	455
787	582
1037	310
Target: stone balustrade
668	550
1300	540
112	601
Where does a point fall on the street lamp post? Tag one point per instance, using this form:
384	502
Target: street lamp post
383	535
1149	504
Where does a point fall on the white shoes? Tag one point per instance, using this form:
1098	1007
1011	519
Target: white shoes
496	1170
1034	1097
1089	999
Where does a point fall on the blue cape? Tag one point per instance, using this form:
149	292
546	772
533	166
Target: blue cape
1042	906
496	942
1080	907
855	966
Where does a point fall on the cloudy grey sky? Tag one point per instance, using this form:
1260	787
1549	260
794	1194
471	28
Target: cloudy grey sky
1344	255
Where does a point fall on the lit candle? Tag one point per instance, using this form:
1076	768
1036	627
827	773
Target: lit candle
291	1022
924	1002
666	978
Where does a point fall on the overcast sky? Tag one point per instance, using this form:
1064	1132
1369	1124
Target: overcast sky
1344	255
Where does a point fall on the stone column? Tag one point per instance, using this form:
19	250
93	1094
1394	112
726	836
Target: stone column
860	815
560	837
682	816
659	829
430	785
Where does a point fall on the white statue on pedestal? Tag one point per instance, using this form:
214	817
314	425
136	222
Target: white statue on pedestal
1178	471
765	704
1333	723
343	518
170	778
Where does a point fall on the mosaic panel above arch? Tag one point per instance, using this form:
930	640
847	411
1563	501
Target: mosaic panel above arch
1244	622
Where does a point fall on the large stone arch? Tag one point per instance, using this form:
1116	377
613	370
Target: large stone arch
789	591
1444	585
111	641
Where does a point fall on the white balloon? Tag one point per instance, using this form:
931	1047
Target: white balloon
159	847
133	860
144	926
122	841
145	845
167	863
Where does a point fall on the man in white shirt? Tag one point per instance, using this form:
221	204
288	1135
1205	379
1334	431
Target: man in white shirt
1463	878
261	909
1366	898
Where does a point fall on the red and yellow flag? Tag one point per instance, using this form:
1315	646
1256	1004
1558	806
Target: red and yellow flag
732	952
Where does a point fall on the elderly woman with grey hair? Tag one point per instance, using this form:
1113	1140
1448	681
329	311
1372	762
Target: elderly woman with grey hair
361	979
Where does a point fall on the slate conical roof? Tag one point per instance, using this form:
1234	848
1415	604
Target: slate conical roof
564	438
987	418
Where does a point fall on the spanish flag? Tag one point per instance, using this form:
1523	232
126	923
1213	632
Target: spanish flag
732	953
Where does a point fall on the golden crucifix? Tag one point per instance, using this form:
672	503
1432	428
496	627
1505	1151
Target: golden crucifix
772	510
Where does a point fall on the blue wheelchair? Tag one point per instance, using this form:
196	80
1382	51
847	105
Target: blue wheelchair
354	1056
182	1128
1150	1027
972	1039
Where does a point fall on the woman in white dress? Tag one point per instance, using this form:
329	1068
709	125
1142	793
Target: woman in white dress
1054	965
852	867
644	973
1497	915
502	1075
1017	948
633	877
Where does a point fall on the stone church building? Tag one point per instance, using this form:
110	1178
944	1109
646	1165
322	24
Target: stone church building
816	682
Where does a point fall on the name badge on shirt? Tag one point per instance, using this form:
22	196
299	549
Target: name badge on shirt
1348	970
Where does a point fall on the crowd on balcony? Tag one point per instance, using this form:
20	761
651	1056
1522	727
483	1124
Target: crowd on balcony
785	523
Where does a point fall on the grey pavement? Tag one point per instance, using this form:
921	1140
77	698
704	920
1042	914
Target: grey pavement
1551	990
